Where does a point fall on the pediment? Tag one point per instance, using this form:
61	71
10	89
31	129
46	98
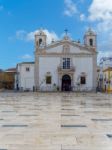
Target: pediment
68	47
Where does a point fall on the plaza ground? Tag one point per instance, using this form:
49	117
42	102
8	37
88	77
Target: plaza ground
55	121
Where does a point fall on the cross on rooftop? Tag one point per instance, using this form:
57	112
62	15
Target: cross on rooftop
66	31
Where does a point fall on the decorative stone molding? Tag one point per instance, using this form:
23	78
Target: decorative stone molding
72	43
44	54
66	48
83	74
66	71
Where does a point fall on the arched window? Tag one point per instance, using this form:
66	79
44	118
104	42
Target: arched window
40	42
91	42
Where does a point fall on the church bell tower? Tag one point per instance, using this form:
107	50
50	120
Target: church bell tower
90	38
40	40
40	45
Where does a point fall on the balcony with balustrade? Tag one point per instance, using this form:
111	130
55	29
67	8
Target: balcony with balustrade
62	69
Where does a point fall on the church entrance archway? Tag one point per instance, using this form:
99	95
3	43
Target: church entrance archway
66	83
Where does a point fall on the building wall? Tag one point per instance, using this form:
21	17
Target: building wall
78	50
111	81
7	80
107	83
106	73
1	79
84	64
48	64
25	78
57	49
73	49
87	42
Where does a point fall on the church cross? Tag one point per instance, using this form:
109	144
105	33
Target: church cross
66	31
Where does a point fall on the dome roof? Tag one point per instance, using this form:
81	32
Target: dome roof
40	32
90	32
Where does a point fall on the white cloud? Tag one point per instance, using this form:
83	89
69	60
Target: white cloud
104	26
100	13
1	7
82	17
70	8
102	54
50	35
30	36
23	35
105	40
105	46
26	56
100	10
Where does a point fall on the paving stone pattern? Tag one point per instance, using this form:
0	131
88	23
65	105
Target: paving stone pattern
55	121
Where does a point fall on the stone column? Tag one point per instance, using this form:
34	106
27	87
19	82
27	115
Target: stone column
72	81
60	82
94	71
36	72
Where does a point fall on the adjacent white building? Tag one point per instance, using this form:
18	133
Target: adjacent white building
63	65
24	79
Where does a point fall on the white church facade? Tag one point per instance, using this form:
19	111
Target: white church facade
64	65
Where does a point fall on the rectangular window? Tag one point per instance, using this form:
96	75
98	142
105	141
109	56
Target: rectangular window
48	79
66	63
27	69
82	80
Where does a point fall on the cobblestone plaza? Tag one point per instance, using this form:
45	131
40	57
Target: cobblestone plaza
55	121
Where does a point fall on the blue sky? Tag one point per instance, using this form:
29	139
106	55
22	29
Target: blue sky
20	19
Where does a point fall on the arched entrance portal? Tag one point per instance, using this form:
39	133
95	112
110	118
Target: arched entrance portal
66	83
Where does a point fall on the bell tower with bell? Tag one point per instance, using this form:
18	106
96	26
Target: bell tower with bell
90	38
40	46
40	40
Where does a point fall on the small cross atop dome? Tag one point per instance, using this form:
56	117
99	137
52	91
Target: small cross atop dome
66	37
66	31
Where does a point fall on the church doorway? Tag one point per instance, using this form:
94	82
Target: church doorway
66	83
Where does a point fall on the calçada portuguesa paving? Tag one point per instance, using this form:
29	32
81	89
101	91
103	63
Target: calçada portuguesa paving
55	121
